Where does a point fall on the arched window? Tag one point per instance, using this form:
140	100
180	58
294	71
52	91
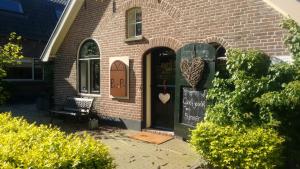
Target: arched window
220	58
89	68
134	22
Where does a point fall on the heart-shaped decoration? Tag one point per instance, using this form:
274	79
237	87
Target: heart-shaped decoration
164	97
192	70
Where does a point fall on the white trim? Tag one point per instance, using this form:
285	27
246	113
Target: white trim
288	8
270	3
130	23
77	67
61	29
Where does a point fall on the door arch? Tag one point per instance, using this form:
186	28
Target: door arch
159	88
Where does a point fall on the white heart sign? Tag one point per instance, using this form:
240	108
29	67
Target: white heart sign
164	97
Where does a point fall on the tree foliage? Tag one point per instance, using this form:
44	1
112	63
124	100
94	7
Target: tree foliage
293	38
10	54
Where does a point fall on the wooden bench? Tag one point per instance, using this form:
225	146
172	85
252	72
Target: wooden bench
74	106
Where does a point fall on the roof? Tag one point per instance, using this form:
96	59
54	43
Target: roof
62	2
61	29
32	23
289	8
286	8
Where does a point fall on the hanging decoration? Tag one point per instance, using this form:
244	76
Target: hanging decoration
164	97
192	69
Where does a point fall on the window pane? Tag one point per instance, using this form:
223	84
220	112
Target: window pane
138	29
83	76
138	16
22	71
131	30
134	22
38	70
95	76
131	16
89	50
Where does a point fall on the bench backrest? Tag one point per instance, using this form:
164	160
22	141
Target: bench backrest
78	104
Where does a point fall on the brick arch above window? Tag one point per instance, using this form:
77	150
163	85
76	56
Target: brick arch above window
219	40
163	6
169	42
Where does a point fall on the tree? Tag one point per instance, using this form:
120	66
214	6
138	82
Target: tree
10	54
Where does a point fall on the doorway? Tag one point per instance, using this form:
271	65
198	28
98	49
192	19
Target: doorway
160	88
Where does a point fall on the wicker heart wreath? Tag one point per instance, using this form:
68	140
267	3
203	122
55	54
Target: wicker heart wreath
192	70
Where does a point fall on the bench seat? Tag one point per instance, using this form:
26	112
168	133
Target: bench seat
75	106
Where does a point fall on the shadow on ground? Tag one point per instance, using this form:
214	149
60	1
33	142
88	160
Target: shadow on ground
128	153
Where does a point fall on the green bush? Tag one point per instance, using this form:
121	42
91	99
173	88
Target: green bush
24	145
231	147
285	105
253	95
232	98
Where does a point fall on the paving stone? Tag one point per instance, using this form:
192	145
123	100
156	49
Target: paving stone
128	153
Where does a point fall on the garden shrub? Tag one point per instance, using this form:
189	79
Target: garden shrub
253	96
24	145
232	98
285	105
232	147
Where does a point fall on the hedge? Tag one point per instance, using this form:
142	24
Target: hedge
24	145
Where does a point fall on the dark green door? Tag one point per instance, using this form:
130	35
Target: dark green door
163	88
190	102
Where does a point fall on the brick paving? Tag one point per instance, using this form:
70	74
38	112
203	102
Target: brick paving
128	153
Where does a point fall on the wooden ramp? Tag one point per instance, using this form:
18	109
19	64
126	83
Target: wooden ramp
151	137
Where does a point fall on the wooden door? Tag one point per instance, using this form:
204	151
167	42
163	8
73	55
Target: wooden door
163	88
190	102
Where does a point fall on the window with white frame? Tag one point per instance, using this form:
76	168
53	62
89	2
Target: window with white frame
89	68
134	22
28	69
11	6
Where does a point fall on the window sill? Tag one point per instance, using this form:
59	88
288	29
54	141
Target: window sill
136	38
89	95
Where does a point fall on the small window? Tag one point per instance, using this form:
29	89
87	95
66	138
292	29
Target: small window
11	5
89	68
134	22
28	69
220	58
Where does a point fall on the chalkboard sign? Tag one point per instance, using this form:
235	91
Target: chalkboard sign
193	106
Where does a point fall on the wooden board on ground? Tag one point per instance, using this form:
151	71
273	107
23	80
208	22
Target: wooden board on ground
151	137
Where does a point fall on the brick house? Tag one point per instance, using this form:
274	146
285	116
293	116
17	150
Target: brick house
151	35
27	19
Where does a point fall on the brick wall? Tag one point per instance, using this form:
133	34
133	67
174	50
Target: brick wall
170	23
